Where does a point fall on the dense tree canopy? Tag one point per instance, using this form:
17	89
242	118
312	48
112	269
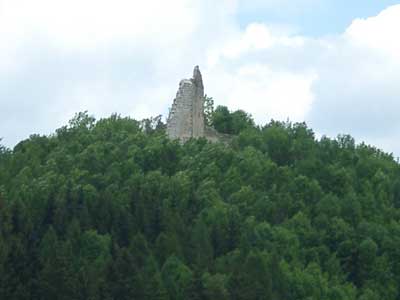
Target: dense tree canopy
112	209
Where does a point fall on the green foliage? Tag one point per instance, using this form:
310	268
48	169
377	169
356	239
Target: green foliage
215	286
231	123
177	277
112	209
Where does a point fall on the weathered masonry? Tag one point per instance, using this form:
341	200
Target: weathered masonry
186	117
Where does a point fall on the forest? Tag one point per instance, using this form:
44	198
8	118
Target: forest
113	209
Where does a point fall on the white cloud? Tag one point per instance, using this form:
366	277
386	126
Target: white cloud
264	92
377	33
60	57
243	75
357	91
92	23
340	84
288	6
256	37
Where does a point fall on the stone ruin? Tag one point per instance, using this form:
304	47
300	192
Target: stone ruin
186	117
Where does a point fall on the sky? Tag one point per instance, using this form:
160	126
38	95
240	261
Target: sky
333	64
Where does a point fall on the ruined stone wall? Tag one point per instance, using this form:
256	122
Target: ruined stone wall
179	125
214	136
186	117
198	104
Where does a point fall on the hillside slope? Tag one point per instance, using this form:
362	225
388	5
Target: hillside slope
112	209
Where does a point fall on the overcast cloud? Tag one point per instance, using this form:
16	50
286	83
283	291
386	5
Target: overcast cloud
61	57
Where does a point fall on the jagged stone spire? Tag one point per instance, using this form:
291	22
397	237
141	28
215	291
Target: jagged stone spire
198	104
197	78
186	118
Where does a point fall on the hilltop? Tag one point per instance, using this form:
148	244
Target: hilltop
114	209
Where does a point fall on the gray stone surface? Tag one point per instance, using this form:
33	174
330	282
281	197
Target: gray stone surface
186	117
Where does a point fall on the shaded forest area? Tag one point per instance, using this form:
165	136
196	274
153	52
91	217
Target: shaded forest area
112	209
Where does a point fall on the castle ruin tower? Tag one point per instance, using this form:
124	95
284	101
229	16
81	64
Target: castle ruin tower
186	117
